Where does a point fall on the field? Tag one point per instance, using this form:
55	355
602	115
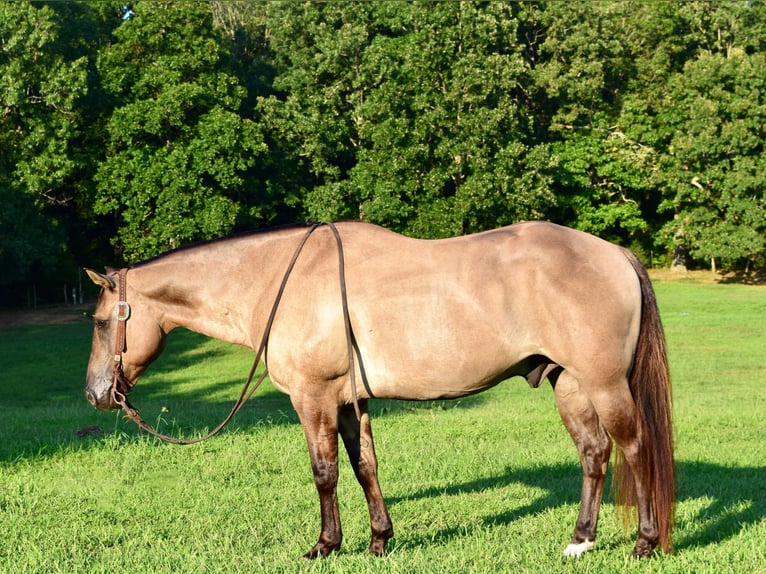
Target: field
485	484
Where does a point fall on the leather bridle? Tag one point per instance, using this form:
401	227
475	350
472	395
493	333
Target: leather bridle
121	387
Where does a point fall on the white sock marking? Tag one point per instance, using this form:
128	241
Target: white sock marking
577	550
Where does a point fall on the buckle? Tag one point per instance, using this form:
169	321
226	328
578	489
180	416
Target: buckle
122	309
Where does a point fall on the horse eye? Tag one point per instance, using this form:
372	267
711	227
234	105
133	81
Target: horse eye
100	324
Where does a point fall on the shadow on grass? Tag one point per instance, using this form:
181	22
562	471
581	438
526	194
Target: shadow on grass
743	278
735	497
44	409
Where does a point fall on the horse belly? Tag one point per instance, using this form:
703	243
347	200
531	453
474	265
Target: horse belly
433	379
439	357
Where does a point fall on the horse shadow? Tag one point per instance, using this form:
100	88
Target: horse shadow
733	499
727	499
167	396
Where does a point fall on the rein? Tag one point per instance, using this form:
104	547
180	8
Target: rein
121	386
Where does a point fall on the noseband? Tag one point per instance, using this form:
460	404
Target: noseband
121	387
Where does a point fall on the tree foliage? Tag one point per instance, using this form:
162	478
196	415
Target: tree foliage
410	115
179	153
716	156
39	119
157	123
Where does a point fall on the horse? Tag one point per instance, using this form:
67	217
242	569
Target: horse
425	320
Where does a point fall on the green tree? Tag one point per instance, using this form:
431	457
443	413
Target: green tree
656	121
39	120
409	115
640	122
714	168
698	104
584	56
180	158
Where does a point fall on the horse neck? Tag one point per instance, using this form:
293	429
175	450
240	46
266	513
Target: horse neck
212	292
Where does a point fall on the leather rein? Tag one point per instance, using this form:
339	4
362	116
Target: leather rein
121	387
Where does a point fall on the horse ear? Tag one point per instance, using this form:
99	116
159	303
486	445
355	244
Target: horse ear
101	280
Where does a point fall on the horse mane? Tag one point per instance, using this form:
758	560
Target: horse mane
231	237
223	239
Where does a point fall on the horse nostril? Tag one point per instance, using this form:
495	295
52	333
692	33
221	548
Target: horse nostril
91	399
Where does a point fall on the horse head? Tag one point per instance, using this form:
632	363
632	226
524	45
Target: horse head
112	368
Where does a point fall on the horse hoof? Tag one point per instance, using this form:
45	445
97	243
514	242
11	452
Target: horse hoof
379	540
577	550
321	550
643	549
377	548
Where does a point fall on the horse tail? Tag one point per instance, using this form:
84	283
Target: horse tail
649	383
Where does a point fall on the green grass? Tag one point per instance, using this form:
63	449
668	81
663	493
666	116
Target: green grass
485	484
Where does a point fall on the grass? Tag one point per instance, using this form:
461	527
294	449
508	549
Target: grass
485	484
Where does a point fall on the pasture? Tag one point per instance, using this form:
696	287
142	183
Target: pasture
490	483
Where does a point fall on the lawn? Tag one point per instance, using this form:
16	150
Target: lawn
485	484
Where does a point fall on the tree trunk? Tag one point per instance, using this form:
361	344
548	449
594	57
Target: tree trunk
679	251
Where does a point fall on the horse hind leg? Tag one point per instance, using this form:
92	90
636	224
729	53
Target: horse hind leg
594	447
357	438
617	411
633	488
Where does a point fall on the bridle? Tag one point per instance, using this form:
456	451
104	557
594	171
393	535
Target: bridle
121	387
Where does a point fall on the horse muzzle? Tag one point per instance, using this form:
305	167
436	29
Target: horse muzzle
91	398
101	398
101	403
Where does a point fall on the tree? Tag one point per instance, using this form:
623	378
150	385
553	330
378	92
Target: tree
656	115
584	56
703	114
39	119
715	165
409	115
180	157
639	122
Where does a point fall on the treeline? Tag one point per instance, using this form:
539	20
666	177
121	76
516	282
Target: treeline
130	129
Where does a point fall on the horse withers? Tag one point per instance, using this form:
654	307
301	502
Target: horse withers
429	320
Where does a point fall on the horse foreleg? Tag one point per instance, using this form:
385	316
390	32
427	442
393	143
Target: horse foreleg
357	437
594	446
321	429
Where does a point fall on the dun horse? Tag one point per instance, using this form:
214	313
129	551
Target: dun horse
426	320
